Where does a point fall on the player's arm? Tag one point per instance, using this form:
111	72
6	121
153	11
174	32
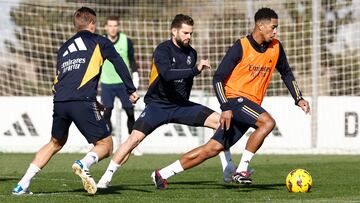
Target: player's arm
133	64
227	65
109	52
57	71
163	60
289	80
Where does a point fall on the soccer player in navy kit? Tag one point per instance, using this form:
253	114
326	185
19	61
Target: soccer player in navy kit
167	99
78	70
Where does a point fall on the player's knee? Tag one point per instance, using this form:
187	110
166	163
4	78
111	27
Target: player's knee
267	122
212	150
270	123
213	121
57	144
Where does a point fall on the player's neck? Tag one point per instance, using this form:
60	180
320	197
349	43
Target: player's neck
113	39
258	37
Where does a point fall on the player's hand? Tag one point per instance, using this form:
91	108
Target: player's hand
225	119
304	105
100	106
204	64
134	97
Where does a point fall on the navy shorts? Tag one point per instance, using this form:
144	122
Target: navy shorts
245	115
156	114
110	91
86	117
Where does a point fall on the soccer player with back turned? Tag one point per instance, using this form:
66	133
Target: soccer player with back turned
78	70
240	83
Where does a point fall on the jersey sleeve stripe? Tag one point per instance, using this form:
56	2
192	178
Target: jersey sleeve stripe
296	89
220	91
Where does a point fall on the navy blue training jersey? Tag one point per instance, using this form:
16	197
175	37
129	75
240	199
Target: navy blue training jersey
79	64
172	74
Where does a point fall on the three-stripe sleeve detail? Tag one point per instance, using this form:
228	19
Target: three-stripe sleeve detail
221	92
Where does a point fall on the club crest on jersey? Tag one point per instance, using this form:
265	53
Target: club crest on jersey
240	99
188	60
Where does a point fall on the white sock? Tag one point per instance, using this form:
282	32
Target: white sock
225	158
30	173
89	159
111	169
245	160
171	170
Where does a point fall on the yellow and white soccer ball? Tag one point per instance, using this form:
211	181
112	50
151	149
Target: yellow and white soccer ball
299	180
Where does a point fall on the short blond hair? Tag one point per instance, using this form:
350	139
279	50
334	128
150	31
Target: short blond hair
83	17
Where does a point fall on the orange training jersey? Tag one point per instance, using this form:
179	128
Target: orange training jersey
251	76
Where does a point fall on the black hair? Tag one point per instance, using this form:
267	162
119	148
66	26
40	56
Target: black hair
265	14
180	19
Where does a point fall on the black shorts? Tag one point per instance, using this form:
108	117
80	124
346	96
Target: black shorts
156	114
245	115
86	117
110	91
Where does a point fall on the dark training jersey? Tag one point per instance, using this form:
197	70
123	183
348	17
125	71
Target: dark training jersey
246	71
79	64
172	73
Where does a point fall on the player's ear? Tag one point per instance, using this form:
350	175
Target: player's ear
173	31
260	25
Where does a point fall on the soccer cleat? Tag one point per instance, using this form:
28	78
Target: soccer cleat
229	172
242	177
159	182
103	184
88	182
18	190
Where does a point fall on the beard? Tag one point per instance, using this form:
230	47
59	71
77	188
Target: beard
181	43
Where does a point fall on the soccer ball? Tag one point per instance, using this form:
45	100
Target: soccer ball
299	180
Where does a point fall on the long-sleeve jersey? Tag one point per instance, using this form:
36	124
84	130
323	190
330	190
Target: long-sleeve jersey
246	71
79	64
172	73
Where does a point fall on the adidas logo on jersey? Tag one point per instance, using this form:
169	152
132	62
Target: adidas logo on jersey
18	127
77	45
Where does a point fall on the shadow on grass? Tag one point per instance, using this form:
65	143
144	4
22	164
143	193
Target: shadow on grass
115	189
178	185
255	187
216	185
8	179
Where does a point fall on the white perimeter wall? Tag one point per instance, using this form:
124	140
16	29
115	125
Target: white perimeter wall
338	127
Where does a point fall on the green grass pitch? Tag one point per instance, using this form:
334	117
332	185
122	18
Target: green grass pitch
335	177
